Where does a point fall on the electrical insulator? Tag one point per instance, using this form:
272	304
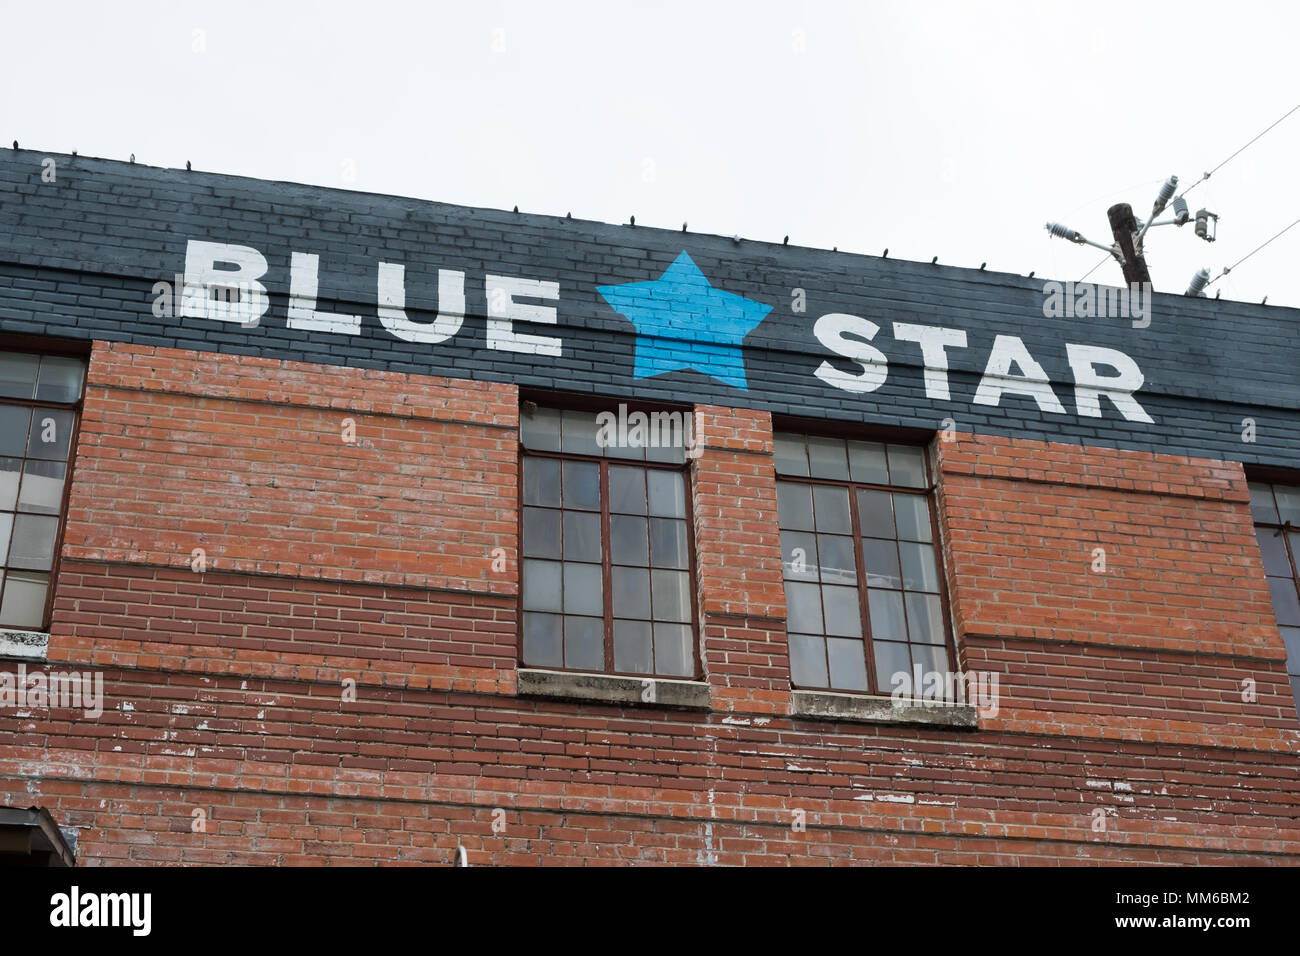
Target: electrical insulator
1166	192
1063	232
1206	224
1181	215
1197	286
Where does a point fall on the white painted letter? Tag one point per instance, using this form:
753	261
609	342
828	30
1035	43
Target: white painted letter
202	278
831	330
1089	386
503	309
392	305
1008	349
933	340
303	268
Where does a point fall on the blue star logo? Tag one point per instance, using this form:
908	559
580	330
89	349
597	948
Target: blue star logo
683	322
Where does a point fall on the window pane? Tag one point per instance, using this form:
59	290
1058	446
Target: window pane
579	431
42	489
582	485
24	599
671	454
835	556
803	607
542	482
542	640
1285	603
584	643
1261	503
540	431
582	590
1288	503
627	540
791	457
893	664
794	506
799	555
826	458
907	466
6	527
667	493
913	515
925	618
13	430
626	490
632	652
933	660
919	572
886	609
875	516
1274	553
631	588
831	509
842	610
672	595
807	661
1291	637
18	374
668	543
848	663
9	470
673	650
581	536
51	434
542	585
880	557
60	379
541	533
867	463
33	542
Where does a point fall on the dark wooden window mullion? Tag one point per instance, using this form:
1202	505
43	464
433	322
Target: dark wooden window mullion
864	608
606	568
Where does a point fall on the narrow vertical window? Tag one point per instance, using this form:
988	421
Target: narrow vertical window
1276	509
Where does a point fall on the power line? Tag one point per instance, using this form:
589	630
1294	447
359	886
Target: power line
1096	267
1228	269
1206	176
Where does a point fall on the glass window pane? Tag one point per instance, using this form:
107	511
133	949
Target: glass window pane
626	490
627	540
631	587
893	666
803	607
843	613
541	585
632	647
791	457
794	506
540	430
668	543
14	420
835	558
584	643
581	536
542	640
33	542
867	463
24	599
880	557
1261	503
672	595
907	466
51	434
579	433
919	571
671	454
42	489
932	659
583	593
667	493
18	374
1288	503
1273	550
925	618
886	609
831	509
6	527
875	516
542	482
799	555
60	379
848	664
807	660
541	533
1285	603
582	485
827	458
9	471
673	650
1291	637
912	512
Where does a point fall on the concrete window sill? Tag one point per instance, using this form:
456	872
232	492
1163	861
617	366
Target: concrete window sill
824	705
25	645
608	689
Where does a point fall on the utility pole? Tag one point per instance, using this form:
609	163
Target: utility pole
1124	227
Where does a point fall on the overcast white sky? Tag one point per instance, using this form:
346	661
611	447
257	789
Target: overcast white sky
949	129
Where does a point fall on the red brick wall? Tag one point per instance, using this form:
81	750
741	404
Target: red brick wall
373	563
